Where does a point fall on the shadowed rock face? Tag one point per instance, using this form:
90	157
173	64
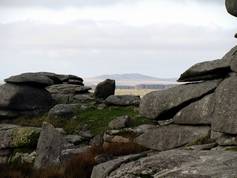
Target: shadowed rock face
105	89
24	98
224	117
162	105
231	6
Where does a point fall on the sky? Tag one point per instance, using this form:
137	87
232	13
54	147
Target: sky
161	38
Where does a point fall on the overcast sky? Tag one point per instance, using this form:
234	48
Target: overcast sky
161	38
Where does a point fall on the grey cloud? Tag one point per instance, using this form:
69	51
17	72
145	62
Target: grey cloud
60	3
80	3
86	48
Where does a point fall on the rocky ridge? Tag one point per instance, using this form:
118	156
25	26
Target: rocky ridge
191	133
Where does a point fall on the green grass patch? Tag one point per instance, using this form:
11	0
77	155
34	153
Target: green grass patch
96	120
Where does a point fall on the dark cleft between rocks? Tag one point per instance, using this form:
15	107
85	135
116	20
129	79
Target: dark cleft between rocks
169	114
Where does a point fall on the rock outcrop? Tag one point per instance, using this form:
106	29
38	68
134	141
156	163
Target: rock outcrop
26	94
105	89
176	163
162	105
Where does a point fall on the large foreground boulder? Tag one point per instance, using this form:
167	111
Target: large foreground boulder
103	170
224	116
176	164
105	89
172	136
162	105
49	147
24	98
231	6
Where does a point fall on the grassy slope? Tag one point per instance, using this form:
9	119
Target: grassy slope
96	120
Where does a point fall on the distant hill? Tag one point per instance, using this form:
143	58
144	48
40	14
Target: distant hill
132	79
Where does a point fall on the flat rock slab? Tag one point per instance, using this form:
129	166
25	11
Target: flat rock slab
180	164
224	116
163	105
103	170
197	113
68	89
123	100
207	70
172	136
24	98
34	79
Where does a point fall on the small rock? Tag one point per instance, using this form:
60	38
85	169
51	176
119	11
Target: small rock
120	122
231	6
97	140
63	111
123	100
68	154
74	139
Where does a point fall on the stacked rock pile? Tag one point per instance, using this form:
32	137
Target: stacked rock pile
34	93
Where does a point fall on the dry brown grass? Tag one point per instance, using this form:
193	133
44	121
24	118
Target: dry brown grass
79	167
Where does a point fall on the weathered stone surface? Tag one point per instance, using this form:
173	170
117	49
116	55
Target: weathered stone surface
123	100
105	89
227	140
49	147
4	155
163	105
97	140
67	89
68	154
231	6
224	116
12	136
24	98
82	98
197	113
60	78
172	136
178	164
63	111
23	158
103	170
206	71
120	122
34	79
74	139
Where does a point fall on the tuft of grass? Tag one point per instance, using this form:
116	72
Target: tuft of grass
96	120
